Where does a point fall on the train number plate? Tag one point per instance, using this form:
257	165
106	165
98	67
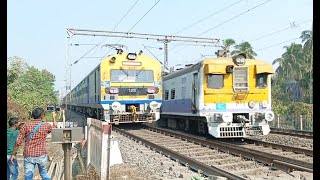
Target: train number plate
132	90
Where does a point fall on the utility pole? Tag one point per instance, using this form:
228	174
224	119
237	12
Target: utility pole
163	38
67	161
68	73
165	42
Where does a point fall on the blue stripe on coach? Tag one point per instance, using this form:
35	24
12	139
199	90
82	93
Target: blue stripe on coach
132	101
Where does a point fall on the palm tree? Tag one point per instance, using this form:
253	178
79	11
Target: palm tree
245	48
307	39
227	43
290	63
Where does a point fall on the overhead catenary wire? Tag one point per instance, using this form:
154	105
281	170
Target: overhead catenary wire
238	15
269	34
277	44
133	26
207	17
215	13
125	15
112	30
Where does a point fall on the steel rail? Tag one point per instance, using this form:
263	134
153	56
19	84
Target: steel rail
280	146
302	134
277	161
193	164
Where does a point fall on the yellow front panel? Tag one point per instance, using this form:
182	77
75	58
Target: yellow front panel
227	94
142	62
215	69
263	69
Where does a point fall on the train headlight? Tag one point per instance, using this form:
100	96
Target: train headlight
227	117
154	105
113	59
251	104
240	59
152	90
115	106
132	56
269	116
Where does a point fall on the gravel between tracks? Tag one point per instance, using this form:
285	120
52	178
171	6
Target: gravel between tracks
142	163
287	140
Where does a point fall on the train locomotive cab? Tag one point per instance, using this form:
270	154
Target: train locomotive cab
224	97
131	88
237	97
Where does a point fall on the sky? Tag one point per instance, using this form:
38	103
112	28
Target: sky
37	29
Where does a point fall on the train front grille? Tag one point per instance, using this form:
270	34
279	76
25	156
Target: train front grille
126	118
231	132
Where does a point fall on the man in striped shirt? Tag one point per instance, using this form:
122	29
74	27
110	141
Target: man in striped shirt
35	148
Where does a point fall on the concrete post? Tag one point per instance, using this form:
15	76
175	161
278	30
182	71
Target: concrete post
64	119
67	164
88	142
105	156
86	133
301	125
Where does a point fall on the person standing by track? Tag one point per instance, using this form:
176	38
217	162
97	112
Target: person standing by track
35	133
12	134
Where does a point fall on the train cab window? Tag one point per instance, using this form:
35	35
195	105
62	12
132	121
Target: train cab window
173	93
215	81
125	75
261	80
166	95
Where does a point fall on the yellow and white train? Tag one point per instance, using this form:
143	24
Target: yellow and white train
225	97
123	88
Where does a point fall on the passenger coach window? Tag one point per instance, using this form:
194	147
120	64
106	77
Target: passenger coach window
215	81
173	93
261	80
166	95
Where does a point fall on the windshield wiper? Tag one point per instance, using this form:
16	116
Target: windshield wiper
139	72
127	74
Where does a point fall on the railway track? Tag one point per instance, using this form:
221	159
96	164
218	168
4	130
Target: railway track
216	157
300	154
302	134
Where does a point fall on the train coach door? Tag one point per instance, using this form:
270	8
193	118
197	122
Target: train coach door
195	93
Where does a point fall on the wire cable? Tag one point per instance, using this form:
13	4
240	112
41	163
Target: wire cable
133	26
107	36
206	17
244	12
277	44
277	31
125	15
235	17
183	29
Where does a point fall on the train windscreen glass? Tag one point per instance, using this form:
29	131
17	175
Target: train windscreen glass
124	75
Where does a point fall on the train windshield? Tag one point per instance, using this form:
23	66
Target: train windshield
125	75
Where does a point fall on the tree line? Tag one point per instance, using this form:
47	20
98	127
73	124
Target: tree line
292	88
28	88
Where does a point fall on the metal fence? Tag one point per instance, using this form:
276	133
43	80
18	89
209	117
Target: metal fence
295	122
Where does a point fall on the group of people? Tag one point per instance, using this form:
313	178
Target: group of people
34	135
